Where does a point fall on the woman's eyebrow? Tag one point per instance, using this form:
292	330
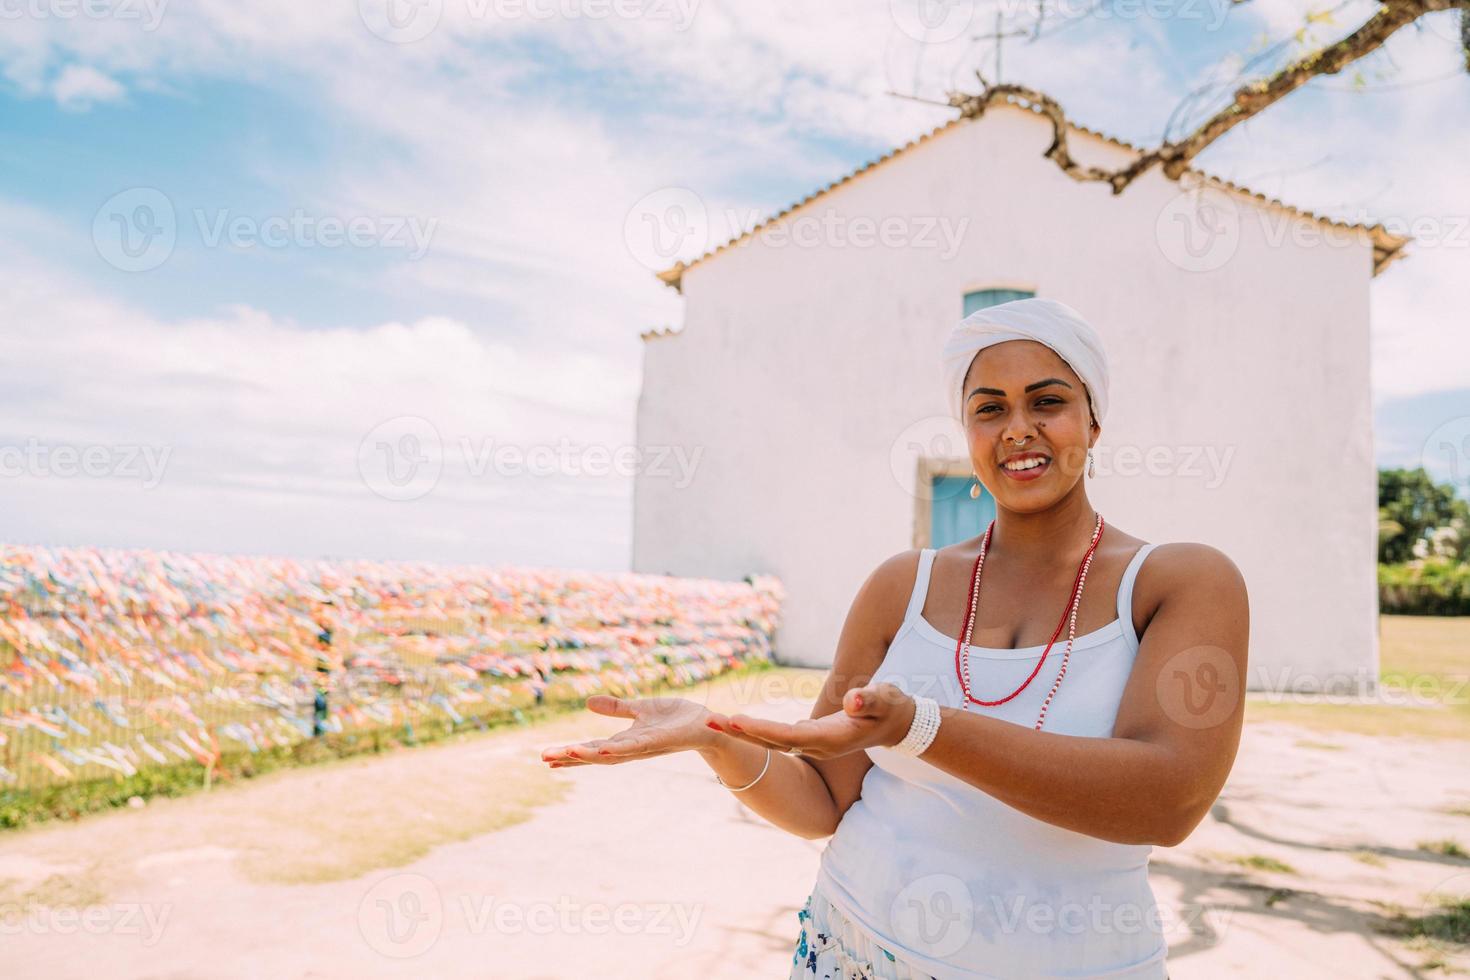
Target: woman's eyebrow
1031	387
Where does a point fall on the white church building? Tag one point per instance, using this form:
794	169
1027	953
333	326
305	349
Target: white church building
806	375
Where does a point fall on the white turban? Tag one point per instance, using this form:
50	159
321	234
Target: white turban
1054	324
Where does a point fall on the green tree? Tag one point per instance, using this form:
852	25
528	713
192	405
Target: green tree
1410	506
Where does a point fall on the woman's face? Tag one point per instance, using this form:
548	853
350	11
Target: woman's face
1020	389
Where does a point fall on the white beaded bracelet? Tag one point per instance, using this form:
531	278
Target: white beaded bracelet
922	729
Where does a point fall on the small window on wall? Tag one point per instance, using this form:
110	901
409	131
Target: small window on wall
981	298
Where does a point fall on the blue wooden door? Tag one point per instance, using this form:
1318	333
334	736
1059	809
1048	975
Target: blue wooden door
953	515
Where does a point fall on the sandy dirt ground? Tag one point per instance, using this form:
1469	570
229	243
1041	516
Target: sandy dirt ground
470	859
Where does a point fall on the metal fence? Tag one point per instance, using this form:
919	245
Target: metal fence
117	661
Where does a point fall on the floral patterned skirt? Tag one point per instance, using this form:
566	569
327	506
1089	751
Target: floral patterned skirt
833	947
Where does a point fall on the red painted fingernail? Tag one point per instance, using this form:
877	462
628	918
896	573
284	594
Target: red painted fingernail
736	727
857	699
714	726
603	752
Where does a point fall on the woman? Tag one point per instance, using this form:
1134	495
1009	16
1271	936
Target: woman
992	778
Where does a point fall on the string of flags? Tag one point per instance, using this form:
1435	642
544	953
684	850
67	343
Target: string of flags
113	660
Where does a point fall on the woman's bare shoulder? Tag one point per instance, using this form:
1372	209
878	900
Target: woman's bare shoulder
893	580
1198	579
1190	567
1194	557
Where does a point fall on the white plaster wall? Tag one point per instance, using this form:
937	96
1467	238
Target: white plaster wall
799	369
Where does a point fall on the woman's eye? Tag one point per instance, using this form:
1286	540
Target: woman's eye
1049	400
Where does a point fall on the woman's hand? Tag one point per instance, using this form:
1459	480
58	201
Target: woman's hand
660	726
879	714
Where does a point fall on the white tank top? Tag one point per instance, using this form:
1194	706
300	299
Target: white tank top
963	885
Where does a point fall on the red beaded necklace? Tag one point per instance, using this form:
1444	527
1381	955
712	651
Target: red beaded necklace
1069	615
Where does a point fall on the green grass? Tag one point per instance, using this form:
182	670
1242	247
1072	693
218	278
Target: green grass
1255	862
1450	922
1436	645
1259	862
20	808
1444	848
1424	670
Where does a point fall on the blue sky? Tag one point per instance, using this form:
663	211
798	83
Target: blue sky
490	167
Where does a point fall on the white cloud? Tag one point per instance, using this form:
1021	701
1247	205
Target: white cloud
252	413
80	86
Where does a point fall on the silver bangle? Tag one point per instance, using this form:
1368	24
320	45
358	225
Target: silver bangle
741	789
922	729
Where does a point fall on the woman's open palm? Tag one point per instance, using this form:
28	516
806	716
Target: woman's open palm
660	726
878	714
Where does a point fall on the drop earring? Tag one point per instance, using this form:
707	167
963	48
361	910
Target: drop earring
975	489
1091	465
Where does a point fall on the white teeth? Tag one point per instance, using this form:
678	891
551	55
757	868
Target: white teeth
1025	464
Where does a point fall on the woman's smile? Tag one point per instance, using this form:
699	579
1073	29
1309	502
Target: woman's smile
1026	466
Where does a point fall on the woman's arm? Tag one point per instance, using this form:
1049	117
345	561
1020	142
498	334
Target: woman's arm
804	796
1175	736
809	796
1172	746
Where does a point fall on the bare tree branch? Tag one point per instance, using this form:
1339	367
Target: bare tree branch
1175	157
